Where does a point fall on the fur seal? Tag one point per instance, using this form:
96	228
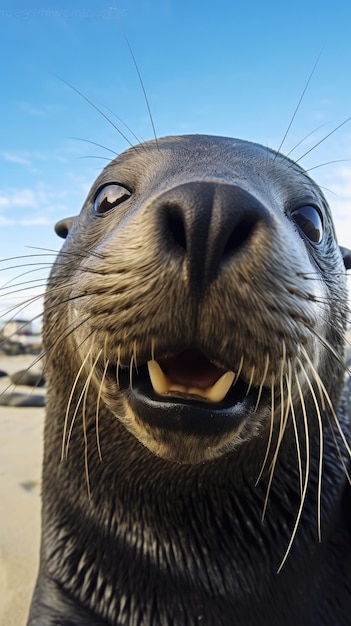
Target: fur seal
196	441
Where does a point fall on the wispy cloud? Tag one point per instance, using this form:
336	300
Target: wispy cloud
35	111
15	158
34	221
25	198
33	207
28	158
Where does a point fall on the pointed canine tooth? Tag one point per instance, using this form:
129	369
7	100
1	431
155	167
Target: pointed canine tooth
219	390
162	384
159	381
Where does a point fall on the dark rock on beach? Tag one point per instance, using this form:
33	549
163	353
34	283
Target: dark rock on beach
22	400
26	377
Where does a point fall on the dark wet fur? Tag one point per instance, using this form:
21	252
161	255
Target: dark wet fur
131	538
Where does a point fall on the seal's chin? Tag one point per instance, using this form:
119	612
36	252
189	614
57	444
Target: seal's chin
186	408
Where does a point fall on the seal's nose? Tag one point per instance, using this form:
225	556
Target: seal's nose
210	225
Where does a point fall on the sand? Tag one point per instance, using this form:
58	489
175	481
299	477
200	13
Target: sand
20	472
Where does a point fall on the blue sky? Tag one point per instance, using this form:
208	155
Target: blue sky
229	68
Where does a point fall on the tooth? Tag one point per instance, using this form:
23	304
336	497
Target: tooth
219	390
159	381
162	384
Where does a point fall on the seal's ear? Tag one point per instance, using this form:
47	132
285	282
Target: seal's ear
63	227
346	255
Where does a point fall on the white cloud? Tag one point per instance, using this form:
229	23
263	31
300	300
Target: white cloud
33	206
35	221
15	158
35	111
26	198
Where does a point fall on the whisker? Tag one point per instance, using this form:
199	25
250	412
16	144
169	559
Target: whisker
21	288
307	469
144	92
70	253
95	156
320	431
262	383
282	425
299	462
304	139
135	356
270	435
280	436
99	145
322	140
298	105
101	113
118	365
83	395
315	167
239	369
138	139
336	420
250	381
97	409
131	372
16	311
331	349
65	442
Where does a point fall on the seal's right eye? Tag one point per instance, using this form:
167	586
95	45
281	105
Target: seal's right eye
109	197
309	221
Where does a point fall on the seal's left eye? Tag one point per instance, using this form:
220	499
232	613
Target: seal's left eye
309	222
109	197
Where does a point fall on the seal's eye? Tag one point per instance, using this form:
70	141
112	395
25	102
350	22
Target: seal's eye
309	222
109	197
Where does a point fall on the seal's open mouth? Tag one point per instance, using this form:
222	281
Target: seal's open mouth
190	375
189	393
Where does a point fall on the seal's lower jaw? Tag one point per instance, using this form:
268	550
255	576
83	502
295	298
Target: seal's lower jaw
192	416
189	431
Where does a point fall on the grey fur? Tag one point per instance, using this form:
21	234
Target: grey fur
165	527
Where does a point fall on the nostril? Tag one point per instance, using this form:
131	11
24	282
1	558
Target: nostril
175	227
205	227
239	236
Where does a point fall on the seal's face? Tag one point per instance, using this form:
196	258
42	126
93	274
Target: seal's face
199	305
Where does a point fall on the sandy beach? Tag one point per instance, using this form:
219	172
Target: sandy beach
20	473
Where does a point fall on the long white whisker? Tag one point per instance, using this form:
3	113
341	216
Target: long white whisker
335	417
84	395
282	425
288	384
64	441
131	372
262	383
270	435
307	472
250	381
239	369
97	409
118	365
320	430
